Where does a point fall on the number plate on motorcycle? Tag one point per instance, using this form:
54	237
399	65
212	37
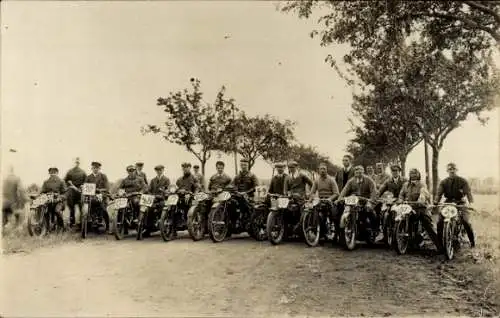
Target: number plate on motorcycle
449	212
147	200
88	189
120	203
283	203
351	200
200	196
223	196
405	209
172	199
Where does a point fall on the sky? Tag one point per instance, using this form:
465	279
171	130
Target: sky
81	78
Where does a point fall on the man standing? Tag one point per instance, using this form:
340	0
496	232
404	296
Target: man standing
346	173
380	175
199	177
141	173
220	180
455	189
74	179
101	183
278	182
14	197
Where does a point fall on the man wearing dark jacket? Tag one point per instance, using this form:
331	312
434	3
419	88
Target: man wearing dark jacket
346	173
74	177
101	183
278	182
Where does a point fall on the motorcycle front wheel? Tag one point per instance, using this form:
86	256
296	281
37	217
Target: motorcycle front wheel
218	224
196	222
119	224
389	227
37	222
448	239
401	236
167	230
140	225
347	234
311	228
258	225
275	227
84	220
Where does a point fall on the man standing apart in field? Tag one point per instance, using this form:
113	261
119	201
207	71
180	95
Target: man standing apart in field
140	173
14	197
346	173
75	177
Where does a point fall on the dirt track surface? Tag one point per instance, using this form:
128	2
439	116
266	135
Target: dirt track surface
239	277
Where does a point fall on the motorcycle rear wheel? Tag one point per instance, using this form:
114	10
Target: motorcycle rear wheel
218	217
311	222
275	219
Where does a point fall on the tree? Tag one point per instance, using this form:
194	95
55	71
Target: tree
191	122
261	137
385	133
372	28
309	159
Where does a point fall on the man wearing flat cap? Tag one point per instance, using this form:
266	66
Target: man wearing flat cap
160	183
278	182
394	184
132	182
296	181
101	183
140	173
74	179
455	189
220	180
54	183
187	181
201	179
245	181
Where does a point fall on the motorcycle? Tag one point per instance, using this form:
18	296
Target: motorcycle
226	217
125	217
92	213
174	214
198	214
406	231
46	214
149	214
387	211
284	218
317	222
453	233
354	226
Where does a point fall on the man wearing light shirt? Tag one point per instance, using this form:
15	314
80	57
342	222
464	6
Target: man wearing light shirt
220	180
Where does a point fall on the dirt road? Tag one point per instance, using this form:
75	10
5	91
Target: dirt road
239	277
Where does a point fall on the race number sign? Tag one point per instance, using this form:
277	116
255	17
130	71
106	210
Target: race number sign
147	200
172	199
88	189
120	203
351	200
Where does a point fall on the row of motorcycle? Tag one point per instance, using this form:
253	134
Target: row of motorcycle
227	211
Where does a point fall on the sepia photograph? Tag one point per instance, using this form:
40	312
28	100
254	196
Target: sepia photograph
246	158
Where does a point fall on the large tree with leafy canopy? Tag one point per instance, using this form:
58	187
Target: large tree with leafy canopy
198	126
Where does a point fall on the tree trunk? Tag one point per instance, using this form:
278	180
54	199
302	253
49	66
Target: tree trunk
203	163
402	162
426	158
435	166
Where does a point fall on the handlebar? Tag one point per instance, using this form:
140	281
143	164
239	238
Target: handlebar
452	204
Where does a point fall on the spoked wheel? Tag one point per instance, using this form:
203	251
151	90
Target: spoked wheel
119	224
401	236
448	239
167	230
84	220
347	234
37	222
196	223
311	228
275	227
140	225
258	226
218	224
388	230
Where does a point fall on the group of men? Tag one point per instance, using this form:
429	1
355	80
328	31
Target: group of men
348	180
